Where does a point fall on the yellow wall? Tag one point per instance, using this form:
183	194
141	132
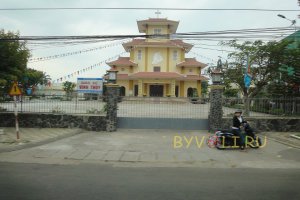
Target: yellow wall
141	63
164	29
167	65
199	89
150	31
124	83
187	84
163	64
181	89
126	70
172	62
186	70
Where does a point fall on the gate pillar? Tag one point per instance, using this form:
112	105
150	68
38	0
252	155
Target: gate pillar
113	91
215	111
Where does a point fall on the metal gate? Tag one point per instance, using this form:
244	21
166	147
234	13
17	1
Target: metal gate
163	113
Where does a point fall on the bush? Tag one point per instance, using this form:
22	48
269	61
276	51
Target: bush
93	111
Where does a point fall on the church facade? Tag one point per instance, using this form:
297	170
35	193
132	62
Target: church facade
157	65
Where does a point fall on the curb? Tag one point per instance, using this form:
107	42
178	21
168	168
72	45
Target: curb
295	136
285	143
29	145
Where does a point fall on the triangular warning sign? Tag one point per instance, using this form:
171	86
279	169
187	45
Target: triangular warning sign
15	90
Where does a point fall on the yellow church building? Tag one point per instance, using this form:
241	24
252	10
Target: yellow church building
157	65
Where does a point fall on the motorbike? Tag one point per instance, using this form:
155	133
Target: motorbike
225	139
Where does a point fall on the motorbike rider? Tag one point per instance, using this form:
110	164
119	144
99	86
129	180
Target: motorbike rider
237	124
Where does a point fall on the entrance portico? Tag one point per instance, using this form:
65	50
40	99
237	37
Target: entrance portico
156	87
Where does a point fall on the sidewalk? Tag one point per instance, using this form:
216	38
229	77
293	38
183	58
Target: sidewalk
284	138
30	137
154	148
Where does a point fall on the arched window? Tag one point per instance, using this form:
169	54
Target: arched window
122	91
190	92
139	55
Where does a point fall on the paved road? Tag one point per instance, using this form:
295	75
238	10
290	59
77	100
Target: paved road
143	164
86	181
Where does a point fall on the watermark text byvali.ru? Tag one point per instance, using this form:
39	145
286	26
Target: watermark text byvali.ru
201	141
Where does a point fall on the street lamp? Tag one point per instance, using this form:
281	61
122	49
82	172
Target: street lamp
112	75
292	21
216	76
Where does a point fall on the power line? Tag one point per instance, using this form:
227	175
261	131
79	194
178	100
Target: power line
242	33
151	8
215	49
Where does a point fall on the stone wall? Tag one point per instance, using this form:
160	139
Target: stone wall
269	124
112	91
215	111
37	120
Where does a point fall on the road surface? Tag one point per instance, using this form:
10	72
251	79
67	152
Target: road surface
92	181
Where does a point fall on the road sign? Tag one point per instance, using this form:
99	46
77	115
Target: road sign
90	85
15	90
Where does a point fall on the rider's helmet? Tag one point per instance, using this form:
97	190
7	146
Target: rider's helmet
238	111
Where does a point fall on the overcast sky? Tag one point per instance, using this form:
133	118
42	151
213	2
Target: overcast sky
116	22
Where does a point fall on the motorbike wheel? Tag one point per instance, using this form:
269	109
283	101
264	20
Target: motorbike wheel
259	141
219	143
257	145
211	141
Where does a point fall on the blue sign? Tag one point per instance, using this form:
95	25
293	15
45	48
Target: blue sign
247	80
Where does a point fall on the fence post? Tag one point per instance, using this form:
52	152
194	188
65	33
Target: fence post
216	110
112	107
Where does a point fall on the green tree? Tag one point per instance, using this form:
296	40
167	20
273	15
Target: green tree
13	59
68	87
204	87
265	60
32	78
230	92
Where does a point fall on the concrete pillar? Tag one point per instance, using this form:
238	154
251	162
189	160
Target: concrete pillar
113	91
173	85
199	88
216	111
181	88
130	90
140	92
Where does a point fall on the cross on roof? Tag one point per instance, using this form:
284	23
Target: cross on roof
157	13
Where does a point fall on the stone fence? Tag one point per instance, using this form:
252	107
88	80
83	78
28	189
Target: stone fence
37	120
268	124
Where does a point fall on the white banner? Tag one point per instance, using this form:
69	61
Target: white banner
90	85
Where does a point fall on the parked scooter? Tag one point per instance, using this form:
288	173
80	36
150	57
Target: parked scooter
225	139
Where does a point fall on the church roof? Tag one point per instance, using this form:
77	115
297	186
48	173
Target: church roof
122	61
194	78
160	75
168	43
155	75
191	62
142	24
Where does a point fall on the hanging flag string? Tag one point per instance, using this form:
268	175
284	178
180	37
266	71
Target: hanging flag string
86	69
76	52
83	70
204	57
